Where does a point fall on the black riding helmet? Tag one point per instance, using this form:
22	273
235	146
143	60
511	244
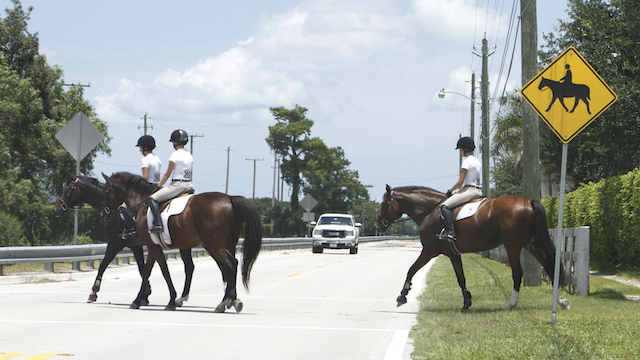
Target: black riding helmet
466	143
180	136
147	142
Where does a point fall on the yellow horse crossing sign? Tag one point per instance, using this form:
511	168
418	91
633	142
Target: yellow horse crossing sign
568	94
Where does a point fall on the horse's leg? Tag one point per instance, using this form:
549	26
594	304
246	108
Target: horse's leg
552	101
516	274
138	254
185	254
417	265
456	261
229	267
159	256
145	281
575	105
114	246
562	103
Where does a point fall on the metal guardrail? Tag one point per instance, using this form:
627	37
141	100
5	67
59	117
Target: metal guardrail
94	252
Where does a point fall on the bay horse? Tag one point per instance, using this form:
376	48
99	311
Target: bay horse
512	221
560	91
213	220
86	190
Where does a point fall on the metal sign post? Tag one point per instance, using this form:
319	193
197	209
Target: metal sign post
71	137
569	76
308	203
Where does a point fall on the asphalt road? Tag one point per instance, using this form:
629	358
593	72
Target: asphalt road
300	306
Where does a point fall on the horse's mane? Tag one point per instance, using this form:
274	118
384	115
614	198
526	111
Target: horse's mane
92	182
414	188
131	181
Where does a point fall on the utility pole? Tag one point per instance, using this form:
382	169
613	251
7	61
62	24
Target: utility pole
273	193
254	175
226	188
145	124
473	105
485	135
531	183
191	138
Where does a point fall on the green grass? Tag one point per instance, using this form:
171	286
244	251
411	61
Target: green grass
603	325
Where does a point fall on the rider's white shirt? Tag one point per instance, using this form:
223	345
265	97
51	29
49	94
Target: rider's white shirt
154	164
183	164
474	168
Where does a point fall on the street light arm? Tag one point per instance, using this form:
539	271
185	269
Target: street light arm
442	93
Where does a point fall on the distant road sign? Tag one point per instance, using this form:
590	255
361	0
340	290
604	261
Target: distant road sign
308	202
79	136
568	94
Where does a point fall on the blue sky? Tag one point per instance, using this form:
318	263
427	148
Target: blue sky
369	72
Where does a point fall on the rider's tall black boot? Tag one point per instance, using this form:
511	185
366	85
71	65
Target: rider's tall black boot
157	220
449	232
129	232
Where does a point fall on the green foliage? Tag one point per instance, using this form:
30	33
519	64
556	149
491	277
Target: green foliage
611	207
309	166
33	107
607	34
11	233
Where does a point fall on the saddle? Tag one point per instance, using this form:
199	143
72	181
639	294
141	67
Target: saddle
164	204
467	209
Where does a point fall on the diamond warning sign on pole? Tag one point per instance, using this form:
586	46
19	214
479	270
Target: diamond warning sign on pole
568	94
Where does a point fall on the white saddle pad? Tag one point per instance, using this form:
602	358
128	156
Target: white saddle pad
469	209
175	207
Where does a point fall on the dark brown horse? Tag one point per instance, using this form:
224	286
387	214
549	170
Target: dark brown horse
512	221
86	190
213	220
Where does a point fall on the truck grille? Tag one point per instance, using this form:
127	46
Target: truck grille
333	233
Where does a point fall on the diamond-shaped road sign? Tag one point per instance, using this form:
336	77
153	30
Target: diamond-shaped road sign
79	136
568	94
308	202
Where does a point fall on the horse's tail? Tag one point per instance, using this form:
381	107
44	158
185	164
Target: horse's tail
246	212
541	246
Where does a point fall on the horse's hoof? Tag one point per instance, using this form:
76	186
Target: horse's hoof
220	308
237	304
134	306
92	298
144	302
181	300
464	310
170	307
401	300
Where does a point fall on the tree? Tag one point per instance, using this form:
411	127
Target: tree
506	146
287	138
328	179
607	34
34	106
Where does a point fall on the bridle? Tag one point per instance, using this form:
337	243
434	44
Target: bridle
63	204
385	209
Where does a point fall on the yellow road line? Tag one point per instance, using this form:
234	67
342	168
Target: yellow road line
9	355
41	357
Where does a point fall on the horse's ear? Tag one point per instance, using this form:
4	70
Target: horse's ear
106	177
72	176
388	188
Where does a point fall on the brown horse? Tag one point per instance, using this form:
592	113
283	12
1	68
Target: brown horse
213	220
86	190
512	221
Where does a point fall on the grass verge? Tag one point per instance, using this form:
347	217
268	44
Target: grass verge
603	325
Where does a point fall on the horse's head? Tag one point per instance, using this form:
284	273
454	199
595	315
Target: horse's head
543	83
389	211
124	187
69	198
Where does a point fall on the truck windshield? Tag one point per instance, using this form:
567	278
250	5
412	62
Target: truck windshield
335	220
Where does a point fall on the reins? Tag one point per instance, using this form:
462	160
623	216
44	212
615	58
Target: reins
386	223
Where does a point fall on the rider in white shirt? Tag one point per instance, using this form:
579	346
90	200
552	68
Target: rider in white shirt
467	183
179	170
151	164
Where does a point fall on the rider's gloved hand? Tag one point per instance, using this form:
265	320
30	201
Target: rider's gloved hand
449	193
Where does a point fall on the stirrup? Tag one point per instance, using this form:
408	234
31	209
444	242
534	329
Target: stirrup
446	236
156	229
128	235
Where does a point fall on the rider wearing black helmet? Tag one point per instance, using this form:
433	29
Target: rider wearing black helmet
179	170
151	164
467	183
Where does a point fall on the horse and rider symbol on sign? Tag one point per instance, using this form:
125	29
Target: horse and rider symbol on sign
565	88
569	76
